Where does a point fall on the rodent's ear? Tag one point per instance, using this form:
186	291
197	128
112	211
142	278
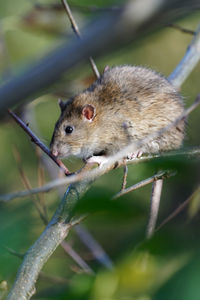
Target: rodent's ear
88	112
61	104
106	69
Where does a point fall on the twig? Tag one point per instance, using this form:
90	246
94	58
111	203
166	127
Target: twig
78	34
154	207
180	28
160	175
177	210
28	186
86	268
96	249
35	139
125	173
188	62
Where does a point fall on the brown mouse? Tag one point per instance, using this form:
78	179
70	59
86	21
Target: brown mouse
125	105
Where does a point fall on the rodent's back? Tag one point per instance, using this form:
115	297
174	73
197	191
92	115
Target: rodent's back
140	101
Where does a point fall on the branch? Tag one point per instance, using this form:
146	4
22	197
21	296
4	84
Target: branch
53	235
155	203
160	175
182	29
78	34
38	142
178	209
188	62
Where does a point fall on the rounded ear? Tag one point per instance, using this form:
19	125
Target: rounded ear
61	104
106	69
88	112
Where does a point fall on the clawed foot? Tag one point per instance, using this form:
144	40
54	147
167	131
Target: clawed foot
135	155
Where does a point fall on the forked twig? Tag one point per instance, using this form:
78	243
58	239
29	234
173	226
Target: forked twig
160	175
78	34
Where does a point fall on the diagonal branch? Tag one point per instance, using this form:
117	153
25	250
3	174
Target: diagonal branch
38	142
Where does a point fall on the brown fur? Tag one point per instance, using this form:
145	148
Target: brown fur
130	103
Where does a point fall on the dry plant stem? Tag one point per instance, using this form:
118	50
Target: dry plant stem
182	29
35	139
160	175
77	32
154	207
188	63
53	235
85	267
177	210
96	249
124	182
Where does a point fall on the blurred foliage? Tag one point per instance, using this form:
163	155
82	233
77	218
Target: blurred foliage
167	266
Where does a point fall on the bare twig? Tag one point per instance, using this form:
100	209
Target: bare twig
125	174
96	249
155	203
85	267
182	29
35	139
77	32
188	62
177	210
160	175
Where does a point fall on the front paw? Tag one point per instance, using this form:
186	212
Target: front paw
100	160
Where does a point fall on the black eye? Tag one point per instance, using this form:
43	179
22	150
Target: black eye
69	129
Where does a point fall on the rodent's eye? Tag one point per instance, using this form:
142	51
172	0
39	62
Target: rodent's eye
69	129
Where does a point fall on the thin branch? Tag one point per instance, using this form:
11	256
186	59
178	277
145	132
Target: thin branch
160	175
85	267
154	207
177	210
188	62
96	249
182	29
36	140
78	34
124	182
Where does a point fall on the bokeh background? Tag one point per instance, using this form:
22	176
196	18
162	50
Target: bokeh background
165	267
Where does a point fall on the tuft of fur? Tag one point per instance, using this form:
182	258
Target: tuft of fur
130	103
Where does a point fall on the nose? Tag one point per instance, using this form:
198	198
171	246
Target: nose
54	152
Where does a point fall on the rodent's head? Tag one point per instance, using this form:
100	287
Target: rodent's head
73	128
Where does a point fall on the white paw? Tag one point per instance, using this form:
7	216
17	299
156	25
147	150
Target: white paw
100	160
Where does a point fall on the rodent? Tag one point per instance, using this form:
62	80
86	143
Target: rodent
126	104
